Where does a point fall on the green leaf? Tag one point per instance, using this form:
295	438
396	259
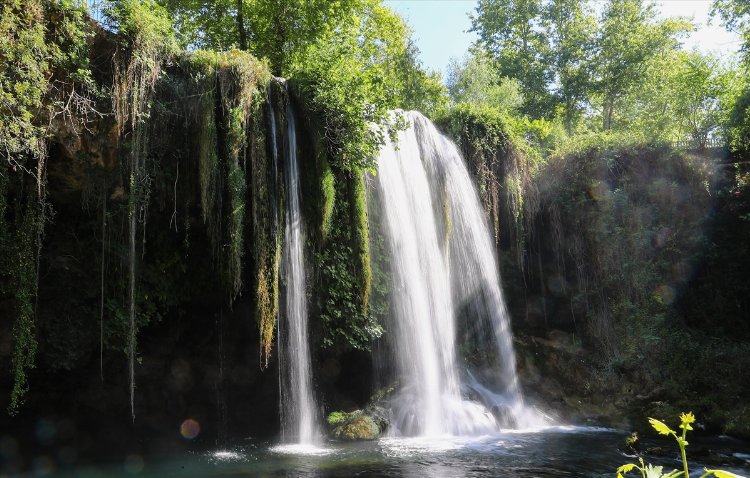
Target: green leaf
626	468
652	471
722	474
660	427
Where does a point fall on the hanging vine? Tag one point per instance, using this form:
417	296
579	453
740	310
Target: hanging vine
227	118
146	41
44	80
267	218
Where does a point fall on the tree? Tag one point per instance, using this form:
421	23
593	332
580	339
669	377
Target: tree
571	29
511	31
212	24
735	15
354	74
419	89
629	39
704	94
474	79
684	96
279	30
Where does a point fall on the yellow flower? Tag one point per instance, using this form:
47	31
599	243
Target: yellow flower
687	419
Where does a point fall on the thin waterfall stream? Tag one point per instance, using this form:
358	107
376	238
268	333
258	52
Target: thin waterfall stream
298	416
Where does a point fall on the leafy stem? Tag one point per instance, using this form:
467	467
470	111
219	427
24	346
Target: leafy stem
650	471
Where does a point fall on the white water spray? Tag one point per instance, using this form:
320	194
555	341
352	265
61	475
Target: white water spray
442	258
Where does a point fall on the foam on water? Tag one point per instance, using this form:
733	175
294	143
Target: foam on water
302	449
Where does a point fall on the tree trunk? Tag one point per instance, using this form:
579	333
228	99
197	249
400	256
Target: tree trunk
607	113
241	26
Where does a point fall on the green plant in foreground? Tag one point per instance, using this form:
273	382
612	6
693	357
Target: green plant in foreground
650	471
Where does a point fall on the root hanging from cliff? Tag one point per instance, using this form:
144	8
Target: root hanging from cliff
137	68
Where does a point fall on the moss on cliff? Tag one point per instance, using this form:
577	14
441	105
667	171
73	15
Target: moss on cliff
503	167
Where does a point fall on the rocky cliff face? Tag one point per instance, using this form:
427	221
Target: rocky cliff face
206	266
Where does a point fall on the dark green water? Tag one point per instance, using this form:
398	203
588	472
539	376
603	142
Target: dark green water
559	451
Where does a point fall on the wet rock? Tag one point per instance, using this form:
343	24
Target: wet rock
380	416
358	425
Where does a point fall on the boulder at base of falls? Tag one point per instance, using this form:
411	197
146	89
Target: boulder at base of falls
356	426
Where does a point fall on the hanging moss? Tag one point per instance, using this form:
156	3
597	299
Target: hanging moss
203	119
318	181
23	83
349	318
328	199
267	295
266	217
237	183
503	167
361	235
229	86
336	213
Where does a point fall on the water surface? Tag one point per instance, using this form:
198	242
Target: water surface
553	452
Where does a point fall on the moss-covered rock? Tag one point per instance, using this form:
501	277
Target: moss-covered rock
359	428
357	425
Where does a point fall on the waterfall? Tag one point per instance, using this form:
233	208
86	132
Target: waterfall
443	260
298	422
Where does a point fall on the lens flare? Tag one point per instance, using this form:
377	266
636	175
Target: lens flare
190	429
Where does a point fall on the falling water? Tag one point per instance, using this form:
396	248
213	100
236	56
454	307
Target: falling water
443	259
297	402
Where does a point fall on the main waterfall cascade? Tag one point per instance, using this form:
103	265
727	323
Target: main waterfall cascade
443	261
298	415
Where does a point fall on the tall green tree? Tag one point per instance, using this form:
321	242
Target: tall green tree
571	29
735	15
210	24
628	41
419	89
512	32
279	30
354	74
474	79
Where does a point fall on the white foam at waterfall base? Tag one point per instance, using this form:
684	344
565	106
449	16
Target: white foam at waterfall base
441	255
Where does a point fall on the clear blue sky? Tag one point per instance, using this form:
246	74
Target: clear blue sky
441	27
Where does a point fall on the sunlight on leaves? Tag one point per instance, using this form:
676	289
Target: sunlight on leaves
660	427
